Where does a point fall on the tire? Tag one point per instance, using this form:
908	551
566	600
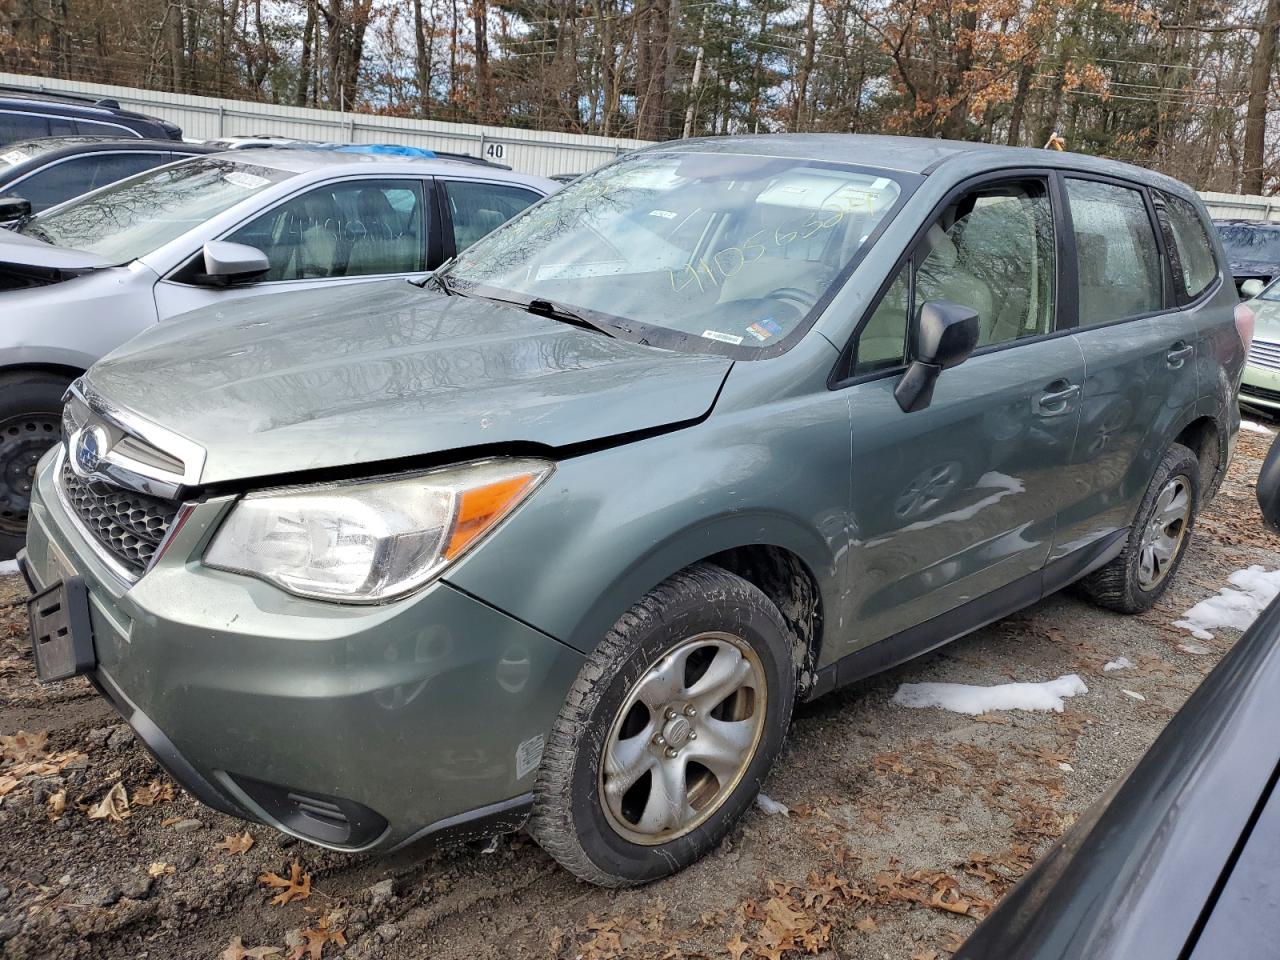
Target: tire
710	612
30	423
1123	584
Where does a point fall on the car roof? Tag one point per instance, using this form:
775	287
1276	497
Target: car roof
334	161
1243	222
916	155
77	144
17	97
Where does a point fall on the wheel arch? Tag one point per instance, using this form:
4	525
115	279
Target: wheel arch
1206	438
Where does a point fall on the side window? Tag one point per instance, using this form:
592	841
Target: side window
22	126
1191	245
1117	256
56	182
116	166
93	128
349	229
479	208
993	251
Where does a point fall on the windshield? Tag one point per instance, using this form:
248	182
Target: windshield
723	247
139	215
1249	242
1272	292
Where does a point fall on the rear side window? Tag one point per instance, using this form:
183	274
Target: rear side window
1117	256
479	208
1192	247
22	126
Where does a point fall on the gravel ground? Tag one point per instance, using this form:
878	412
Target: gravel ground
905	826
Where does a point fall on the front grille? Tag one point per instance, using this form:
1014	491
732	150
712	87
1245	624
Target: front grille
131	526
1261	393
1264	353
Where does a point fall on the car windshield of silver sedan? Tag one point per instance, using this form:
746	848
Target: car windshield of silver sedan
729	248
139	215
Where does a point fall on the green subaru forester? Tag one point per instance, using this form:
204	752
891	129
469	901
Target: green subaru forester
560	535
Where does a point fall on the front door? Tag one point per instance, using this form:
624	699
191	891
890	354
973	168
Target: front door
960	499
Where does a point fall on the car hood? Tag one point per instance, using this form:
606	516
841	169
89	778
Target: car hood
1266	319
358	374
20	251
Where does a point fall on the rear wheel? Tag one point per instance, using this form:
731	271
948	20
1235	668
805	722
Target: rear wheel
30	423
1139	576
668	732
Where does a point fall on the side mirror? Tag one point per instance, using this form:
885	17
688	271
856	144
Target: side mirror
227	263
1251	288
948	332
14	208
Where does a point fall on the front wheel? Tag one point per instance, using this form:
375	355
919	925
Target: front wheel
669	730
30	423
1158	539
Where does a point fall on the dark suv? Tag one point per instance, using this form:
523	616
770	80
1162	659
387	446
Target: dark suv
27	114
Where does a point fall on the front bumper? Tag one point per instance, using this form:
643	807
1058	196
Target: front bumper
355	727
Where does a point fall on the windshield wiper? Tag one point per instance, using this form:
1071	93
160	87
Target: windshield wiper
27	230
545	308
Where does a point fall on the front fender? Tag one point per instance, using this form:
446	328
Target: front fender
611	525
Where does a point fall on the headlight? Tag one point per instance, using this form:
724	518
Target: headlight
374	540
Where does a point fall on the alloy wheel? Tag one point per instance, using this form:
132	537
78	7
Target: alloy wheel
683	738
1164	532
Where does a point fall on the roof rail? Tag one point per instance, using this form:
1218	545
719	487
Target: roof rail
56	95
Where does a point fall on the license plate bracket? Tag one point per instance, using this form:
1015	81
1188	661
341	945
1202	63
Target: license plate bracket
61	631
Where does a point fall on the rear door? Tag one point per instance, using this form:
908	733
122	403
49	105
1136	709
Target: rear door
1139	352
958	500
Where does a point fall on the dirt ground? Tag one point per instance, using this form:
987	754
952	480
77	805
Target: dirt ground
905	826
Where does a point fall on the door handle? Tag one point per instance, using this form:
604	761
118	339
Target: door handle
1178	354
1056	398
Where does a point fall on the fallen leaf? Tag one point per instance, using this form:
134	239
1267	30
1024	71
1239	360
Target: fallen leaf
866	924
236	950
958	905
23	746
113	806
154	792
737	947
297	887
57	804
236	842
160	868
316	937
8	784
170	821
925	953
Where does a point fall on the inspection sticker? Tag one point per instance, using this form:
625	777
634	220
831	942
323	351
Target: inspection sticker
762	330
529	755
722	337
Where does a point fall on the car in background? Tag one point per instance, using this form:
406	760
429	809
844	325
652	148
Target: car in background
564	535
1253	252
1179	861
27	114
290	143
1260	386
82	278
48	171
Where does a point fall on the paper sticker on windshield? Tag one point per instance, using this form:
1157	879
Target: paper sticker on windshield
664	214
579	271
249	181
15	157
765	329
722	337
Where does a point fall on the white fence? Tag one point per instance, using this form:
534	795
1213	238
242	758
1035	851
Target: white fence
206	118
1224	205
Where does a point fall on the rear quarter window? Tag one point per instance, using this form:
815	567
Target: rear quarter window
1194	249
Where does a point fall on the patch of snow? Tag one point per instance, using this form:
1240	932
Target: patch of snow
7	567
1255	427
1196	649
973	700
1235	606
1131	693
1067	767
772	807
1119	663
